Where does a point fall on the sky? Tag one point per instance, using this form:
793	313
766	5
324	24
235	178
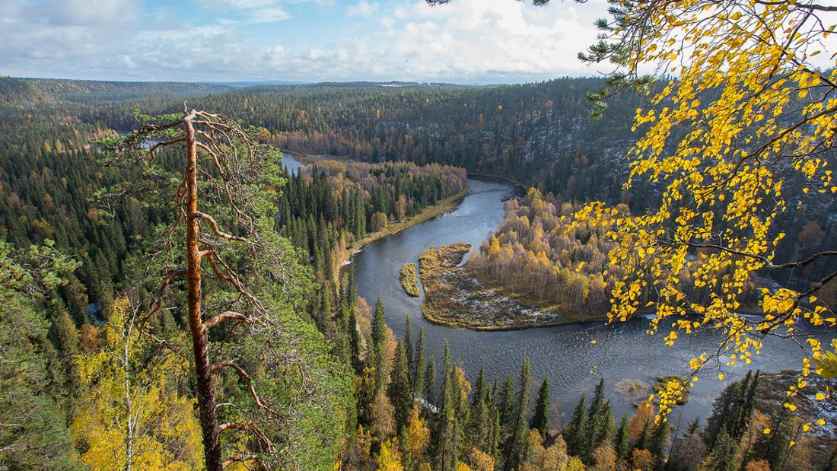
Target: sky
465	41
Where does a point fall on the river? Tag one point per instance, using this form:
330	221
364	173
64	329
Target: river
573	357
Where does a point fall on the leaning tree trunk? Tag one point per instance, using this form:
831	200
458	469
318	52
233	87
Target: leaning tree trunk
203	372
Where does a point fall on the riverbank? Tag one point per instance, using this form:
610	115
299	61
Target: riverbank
448	204
455	298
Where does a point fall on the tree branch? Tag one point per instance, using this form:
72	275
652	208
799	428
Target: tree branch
223	317
244	376
217	229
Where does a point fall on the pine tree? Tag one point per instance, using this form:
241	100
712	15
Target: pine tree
540	420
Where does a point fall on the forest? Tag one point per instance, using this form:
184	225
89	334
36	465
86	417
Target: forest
511	425
539	254
174	299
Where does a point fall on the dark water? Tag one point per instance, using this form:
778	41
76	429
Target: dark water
565	354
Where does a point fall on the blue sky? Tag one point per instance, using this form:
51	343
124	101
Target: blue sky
467	41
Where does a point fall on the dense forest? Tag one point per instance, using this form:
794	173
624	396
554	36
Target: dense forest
539	254
407	422
76	257
546	256
328	206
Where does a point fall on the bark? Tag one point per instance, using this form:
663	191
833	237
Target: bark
203	372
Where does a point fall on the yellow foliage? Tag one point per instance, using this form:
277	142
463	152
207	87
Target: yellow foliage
389	458
575	464
120	390
750	110
418	433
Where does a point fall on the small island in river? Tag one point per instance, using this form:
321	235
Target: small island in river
408	280
454	297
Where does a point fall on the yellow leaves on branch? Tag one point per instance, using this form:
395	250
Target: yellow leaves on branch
747	111
120	392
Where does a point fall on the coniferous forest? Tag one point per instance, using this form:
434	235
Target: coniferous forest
73	252
176	297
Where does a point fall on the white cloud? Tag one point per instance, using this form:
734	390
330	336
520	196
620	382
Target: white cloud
466	40
495	37
83	12
362	8
269	15
251	11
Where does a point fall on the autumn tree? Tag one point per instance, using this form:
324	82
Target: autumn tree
740	135
389	458
744	131
131	413
418	436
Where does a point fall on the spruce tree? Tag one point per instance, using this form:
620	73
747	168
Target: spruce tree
596	422
400	391
749	404
478	426
540	420
507	406
495	437
480	391
659	441
418	371
576	432
721	411
623	440
355	341
777	445
694	427
607	430
430	382
645	437
446	434
378	340
408	345
520	436
723	456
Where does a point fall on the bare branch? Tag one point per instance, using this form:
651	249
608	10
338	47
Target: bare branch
217	229
223	317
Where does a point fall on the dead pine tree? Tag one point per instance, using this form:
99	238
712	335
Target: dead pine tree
214	225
